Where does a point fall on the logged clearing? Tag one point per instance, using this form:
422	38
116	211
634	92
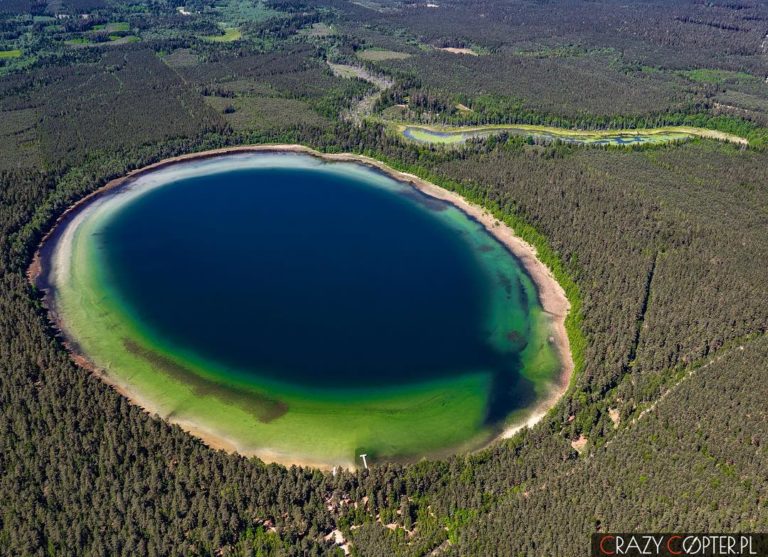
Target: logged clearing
452	50
378	55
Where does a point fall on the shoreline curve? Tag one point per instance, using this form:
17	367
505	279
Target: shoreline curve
551	295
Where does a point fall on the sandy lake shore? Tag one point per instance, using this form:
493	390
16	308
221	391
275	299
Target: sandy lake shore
551	294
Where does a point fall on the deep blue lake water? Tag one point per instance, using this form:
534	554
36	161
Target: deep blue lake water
310	278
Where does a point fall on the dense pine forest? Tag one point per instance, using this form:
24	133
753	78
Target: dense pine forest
662	252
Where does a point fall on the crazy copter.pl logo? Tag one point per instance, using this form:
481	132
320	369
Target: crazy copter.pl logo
679	545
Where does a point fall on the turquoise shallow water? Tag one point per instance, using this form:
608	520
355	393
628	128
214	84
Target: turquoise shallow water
284	277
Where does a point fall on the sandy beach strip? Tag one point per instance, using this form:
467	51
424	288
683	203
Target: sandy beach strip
551	295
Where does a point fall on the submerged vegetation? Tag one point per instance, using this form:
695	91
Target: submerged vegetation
659	250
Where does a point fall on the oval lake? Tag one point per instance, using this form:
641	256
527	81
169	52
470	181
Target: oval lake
302	310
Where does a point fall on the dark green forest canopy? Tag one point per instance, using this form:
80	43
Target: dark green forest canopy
662	252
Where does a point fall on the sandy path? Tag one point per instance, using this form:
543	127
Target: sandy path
551	295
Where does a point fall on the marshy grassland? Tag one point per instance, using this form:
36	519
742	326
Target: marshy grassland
445	135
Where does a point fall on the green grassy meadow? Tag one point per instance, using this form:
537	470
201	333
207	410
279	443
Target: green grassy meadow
116	27
231	34
705	75
379	55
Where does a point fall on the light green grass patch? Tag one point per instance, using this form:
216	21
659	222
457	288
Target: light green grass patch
120	39
15	53
231	34
116	27
344	71
78	41
704	75
379	55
